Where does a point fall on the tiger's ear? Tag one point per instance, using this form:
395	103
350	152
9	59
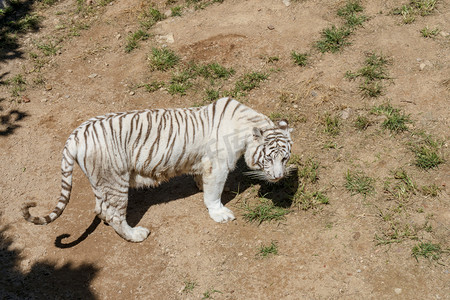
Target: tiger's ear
283	125
257	134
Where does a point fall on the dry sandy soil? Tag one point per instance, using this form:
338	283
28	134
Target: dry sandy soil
355	247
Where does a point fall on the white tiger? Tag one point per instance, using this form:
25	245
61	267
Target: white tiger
144	148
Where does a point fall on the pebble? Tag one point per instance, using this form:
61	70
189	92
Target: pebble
168	38
346	113
93	75
48	87
287	2
132	93
398	291
425	64
444	34
44	100
358	271
70	71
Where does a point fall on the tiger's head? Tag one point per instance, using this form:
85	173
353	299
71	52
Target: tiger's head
269	152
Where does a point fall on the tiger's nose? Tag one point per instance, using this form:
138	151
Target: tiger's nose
278	177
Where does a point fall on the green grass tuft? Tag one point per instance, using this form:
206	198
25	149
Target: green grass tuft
163	59
427	250
373	72
395	121
151	17
431	190
429	33
333	39
359	183
265	251
300	59
189	286
265	211
332	124
362	123
134	38
427	152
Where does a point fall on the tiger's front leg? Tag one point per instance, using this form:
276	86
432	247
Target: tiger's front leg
213	184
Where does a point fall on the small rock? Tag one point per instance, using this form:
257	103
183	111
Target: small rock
25	99
314	94
118	36
295	106
346	113
168	13
132	93
93	75
168	38
398	291
287	2
422	66
240	254
270	27
44	100
69	71
358	271
444	34
48	87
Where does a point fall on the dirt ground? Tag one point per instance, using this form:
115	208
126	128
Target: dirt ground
355	247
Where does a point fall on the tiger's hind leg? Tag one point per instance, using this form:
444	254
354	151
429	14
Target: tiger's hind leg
111	207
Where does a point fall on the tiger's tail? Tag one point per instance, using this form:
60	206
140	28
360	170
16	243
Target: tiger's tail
68	160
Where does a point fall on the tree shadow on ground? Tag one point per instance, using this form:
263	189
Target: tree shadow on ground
44	280
9	120
15	20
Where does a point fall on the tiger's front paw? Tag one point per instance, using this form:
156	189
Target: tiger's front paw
221	215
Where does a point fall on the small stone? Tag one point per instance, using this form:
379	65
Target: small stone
398	291
422	66
132	93
93	75
168	13
314	94
168	38
44	100
48	87
270	27
346	113
444	34
358	271
295	106
118	36
25	99
240	254
70	71
287	2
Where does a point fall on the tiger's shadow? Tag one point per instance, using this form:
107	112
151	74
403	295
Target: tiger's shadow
140	200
